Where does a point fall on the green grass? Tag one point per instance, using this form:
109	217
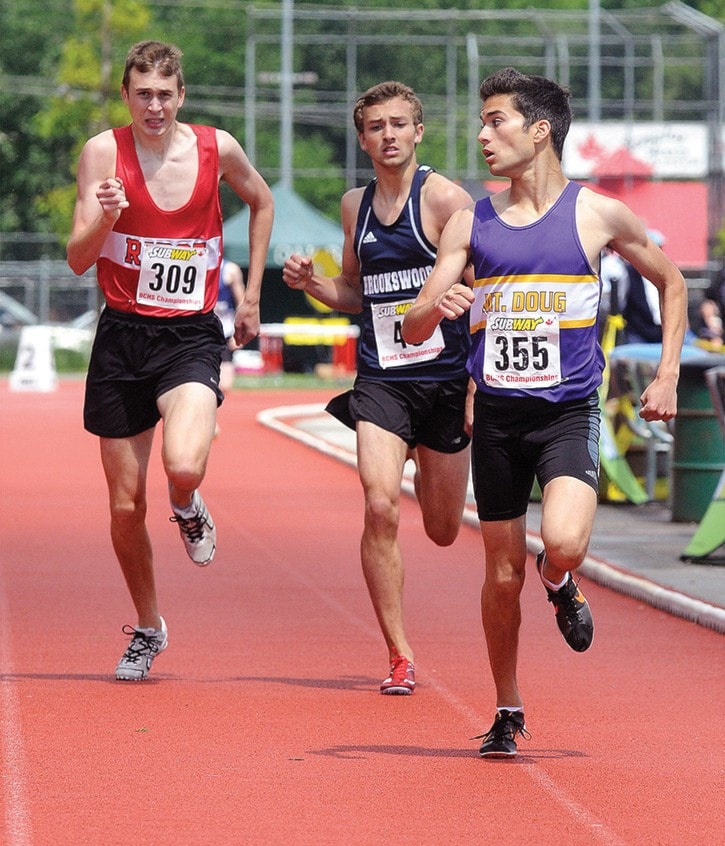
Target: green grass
70	367
289	381
66	361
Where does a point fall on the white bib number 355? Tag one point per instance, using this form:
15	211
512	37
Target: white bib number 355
522	354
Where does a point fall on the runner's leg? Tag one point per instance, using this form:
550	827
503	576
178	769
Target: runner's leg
505	547
189	415
381	456
125	464
442	489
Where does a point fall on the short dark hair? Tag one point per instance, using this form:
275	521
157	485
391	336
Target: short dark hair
536	98
381	93
147	55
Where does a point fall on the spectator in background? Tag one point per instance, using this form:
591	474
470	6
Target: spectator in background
711	312
231	296
641	304
612	273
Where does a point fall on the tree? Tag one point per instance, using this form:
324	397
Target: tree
33	34
61	61
87	102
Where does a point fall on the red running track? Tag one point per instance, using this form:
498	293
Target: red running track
262	724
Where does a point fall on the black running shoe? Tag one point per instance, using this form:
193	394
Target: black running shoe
500	740
573	614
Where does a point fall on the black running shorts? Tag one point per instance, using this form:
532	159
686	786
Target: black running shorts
418	412
135	359
518	439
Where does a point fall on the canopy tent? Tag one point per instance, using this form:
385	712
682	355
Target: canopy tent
298	228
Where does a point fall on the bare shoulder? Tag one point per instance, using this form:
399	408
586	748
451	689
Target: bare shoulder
350	205
606	220
103	144
603	209
98	157
442	196
460	222
353	196
228	145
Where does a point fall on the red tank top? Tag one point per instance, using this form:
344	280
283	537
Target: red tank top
164	263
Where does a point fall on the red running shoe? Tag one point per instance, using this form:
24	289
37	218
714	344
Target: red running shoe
401	681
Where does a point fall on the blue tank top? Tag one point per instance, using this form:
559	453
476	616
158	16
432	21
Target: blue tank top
225	307
395	261
534	317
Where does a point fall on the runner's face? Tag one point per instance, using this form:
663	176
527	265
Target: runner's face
389	135
153	100
506	146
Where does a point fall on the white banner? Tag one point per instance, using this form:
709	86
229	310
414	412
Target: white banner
656	150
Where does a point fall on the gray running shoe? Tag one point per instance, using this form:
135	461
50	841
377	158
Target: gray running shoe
145	645
198	533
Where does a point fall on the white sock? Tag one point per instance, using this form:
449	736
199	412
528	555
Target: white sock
551	585
189	511
515	709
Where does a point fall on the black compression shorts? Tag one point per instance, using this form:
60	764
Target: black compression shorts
135	359
518	439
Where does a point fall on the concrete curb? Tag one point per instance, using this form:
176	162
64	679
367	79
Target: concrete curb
602	572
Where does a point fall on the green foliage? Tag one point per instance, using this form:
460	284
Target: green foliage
40	146
720	243
56	90
56	206
84	107
323	194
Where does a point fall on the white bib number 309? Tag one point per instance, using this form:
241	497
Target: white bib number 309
173	275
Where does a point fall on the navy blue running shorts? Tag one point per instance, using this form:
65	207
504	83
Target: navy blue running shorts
135	359
419	412
519	439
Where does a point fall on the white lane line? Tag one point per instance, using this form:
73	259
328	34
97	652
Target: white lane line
605	574
275	419
16	823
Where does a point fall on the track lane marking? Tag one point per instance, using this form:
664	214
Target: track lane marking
274	418
601	572
12	757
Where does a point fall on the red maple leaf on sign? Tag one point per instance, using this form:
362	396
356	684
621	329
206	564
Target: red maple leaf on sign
591	148
620	164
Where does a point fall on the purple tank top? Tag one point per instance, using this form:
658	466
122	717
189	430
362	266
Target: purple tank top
534	319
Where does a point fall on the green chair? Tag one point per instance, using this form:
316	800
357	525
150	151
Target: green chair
710	534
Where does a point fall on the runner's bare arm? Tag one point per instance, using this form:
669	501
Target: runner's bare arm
237	171
629	238
440	198
443	295
99	200
342	292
